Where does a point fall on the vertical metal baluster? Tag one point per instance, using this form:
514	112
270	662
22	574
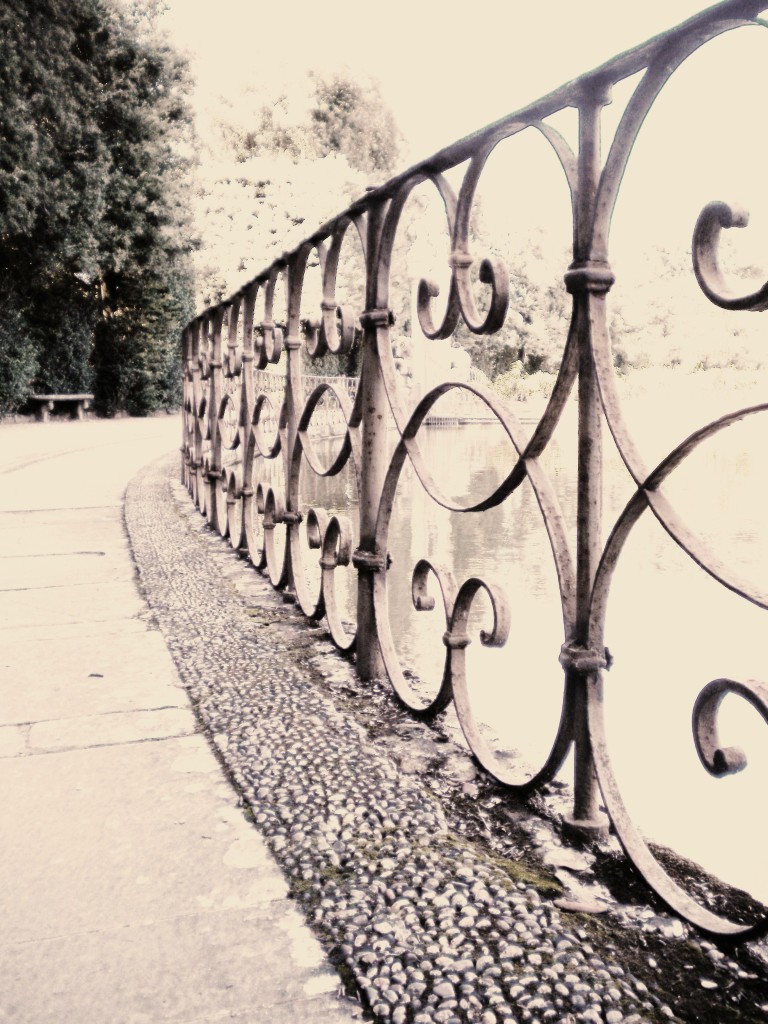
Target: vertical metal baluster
197	394
248	401
230	367
215	392
186	345
587	277
294	398
234	314
374	454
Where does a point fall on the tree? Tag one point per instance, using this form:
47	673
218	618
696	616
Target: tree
349	117
18	360
92	222
276	167
146	238
660	316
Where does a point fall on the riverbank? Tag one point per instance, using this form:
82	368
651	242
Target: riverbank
438	898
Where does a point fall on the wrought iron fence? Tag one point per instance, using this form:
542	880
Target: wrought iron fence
252	414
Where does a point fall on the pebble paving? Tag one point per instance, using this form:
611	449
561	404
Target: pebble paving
426	924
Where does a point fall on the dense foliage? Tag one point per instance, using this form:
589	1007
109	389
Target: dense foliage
276	164
95	243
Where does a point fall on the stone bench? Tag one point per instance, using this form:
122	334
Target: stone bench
44	405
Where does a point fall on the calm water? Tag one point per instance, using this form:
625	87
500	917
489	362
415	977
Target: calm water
671	628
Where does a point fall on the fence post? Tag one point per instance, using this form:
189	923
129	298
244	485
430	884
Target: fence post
186	400
588	278
196	464
367	559
215	392
294	399
247	403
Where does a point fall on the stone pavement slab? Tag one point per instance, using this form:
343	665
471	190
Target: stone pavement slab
230	983
43	534
78	602
30	634
59	569
104	730
129	671
67	465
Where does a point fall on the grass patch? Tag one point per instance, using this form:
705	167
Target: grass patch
515	871
520	871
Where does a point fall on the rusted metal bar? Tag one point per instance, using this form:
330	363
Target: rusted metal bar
587	278
250	487
367	559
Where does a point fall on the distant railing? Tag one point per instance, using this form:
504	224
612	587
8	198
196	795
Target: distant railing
249	412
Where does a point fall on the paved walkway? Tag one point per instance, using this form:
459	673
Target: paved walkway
133	889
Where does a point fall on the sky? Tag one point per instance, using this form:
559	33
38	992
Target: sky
445	70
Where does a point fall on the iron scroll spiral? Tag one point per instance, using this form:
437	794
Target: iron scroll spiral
706	264
457	600
330	535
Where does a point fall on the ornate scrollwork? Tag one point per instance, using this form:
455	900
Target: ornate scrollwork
269	335
274	516
706	263
413	698
233	364
337	329
331	535
334	330
717	759
275	423
336	551
265	416
235	530
270	343
493	272
315	345
229	421
253	511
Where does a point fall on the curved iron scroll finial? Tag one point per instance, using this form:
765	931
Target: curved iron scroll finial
717	759
706	264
